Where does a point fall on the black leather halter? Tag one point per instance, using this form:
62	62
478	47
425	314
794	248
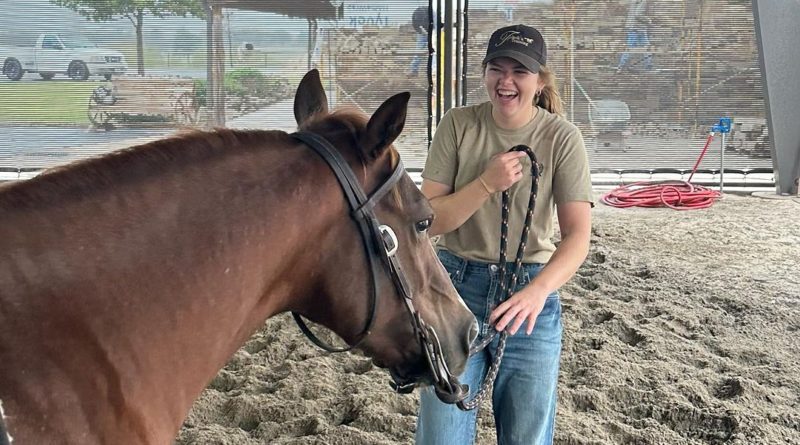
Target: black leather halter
381	242
371	233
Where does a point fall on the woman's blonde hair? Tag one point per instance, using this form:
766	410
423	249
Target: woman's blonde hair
549	98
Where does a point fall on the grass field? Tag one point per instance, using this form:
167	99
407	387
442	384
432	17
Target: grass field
39	102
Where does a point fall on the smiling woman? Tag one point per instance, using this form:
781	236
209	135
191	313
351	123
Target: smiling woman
469	167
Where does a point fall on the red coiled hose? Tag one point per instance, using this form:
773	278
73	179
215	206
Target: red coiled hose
678	195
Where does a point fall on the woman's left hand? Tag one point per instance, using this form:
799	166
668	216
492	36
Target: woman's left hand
523	306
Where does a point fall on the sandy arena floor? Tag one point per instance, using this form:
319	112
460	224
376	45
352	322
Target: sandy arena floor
680	328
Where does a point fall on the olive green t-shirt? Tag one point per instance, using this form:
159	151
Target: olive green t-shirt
467	138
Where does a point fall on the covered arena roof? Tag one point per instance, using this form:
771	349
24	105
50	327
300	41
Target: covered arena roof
306	9
311	10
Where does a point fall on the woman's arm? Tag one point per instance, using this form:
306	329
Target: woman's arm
575	222
453	209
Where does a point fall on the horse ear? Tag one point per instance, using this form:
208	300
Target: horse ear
310	98
385	125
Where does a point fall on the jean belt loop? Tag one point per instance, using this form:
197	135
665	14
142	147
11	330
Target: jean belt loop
463	263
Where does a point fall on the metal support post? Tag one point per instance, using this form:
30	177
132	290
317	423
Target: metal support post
722	164
723	127
572	73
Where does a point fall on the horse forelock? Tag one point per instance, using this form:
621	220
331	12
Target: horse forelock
130	165
396	194
350	123
343	123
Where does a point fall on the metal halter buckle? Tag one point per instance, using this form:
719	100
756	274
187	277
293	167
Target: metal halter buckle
389	239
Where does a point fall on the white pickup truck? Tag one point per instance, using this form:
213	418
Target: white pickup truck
56	54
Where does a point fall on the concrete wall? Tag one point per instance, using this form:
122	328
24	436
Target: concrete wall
778	36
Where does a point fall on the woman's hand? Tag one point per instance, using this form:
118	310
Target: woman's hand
503	171
523	306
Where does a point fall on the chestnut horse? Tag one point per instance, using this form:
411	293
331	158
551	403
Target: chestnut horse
128	281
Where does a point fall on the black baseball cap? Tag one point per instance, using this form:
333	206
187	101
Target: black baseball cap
519	42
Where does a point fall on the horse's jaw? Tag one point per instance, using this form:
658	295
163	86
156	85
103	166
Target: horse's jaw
450	392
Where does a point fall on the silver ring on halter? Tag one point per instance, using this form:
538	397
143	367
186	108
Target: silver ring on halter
389	239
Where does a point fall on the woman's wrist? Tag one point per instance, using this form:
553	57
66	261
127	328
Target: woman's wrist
537	288
485	186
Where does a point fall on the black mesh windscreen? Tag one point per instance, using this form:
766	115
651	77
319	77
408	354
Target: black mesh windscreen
644	80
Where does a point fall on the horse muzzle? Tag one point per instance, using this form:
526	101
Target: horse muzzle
448	388
449	391
452	392
446	385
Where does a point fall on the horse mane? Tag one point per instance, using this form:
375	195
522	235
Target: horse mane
129	165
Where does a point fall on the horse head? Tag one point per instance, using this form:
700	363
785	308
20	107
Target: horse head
391	298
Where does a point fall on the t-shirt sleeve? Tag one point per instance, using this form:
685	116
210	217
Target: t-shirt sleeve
572	180
442	163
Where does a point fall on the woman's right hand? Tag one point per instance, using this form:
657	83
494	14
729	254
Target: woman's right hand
503	171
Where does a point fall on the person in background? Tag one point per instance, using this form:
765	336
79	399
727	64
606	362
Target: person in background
636	34
419	21
508	8
467	169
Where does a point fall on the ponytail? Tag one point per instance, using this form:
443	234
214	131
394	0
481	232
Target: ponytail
549	98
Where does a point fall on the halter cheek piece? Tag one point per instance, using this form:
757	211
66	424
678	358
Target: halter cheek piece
380	241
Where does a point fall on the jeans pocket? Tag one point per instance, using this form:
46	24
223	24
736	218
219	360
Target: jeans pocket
552	305
452	266
528	273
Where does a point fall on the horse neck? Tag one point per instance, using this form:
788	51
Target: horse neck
185	267
259	236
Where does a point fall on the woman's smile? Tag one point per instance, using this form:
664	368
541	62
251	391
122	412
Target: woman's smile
511	88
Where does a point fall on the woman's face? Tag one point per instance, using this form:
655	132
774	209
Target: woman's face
511	88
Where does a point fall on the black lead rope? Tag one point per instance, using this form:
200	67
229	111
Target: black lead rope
5	437
505	290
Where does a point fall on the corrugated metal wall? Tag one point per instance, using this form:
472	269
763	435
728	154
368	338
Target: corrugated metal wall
686	64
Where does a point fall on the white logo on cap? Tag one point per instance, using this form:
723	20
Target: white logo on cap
513	37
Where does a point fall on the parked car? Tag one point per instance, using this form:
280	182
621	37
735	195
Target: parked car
56	54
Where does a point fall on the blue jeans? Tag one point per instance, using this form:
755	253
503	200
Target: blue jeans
636	39
422	45
524	396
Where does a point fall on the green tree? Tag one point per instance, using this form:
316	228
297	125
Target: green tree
133	10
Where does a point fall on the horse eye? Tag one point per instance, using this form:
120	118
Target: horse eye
424	225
